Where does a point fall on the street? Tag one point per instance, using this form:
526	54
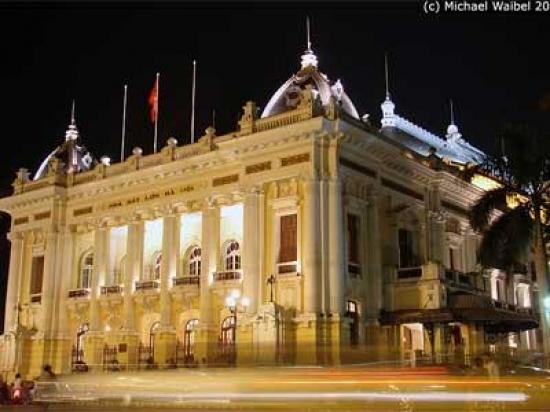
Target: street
295	388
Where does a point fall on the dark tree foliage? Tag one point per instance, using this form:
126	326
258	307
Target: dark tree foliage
523	169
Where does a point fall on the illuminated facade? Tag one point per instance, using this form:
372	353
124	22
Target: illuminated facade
306	236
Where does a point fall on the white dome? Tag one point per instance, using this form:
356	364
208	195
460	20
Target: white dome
287	96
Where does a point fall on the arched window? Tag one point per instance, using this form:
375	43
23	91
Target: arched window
228	333
155	328
189	340
86	270
232	255
194	261
353	314
155	266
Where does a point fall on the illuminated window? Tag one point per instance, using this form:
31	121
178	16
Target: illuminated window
156	266
189	340
228	333
351	311
194	261
232	256
86	271
351	306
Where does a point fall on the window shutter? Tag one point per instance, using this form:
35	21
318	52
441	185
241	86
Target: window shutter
288	239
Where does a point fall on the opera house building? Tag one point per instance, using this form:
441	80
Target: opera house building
309	235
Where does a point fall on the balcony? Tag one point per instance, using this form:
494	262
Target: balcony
354	270
228	275
147	285
414	272
111	290
287	268
186	281
79	293
456	279
36	298
470	302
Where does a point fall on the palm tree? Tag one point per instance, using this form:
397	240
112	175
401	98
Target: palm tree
513	217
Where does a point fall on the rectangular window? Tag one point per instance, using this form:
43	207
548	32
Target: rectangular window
353	239
406	256
288	239
37	274
452	263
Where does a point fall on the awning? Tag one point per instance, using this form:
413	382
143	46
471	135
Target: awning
495	320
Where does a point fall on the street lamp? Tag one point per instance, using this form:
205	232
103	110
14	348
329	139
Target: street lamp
235	306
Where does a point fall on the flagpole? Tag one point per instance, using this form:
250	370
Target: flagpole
124	102
156	115
193	90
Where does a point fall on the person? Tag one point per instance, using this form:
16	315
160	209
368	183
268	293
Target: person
47	373
477	367
4	391
18	382
492	368
17	391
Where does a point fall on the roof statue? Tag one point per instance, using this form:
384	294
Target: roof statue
71	156
287	96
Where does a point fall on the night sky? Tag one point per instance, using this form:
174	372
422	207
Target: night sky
495	67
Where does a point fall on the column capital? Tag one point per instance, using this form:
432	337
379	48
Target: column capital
14	236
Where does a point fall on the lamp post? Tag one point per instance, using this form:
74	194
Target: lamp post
271	281
236	304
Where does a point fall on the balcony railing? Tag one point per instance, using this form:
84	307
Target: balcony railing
469	301
79	293
460	279
354	270
287	267
409	273
228	275
147	284
36	298
187	280
111	290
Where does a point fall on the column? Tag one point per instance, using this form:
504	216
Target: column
132	272
170	247
61	363
310	267
48	282
251	249
12	296
100	269
374	281
93	340
165	341
336	247
207	333
308	325
375	256
52	256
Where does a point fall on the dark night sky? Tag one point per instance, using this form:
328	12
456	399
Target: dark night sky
494	66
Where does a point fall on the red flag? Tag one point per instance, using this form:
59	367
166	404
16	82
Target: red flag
153	102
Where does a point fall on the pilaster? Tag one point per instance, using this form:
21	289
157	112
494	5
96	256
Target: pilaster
252	247
311	258
16	261
207	333
374	259
336	248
